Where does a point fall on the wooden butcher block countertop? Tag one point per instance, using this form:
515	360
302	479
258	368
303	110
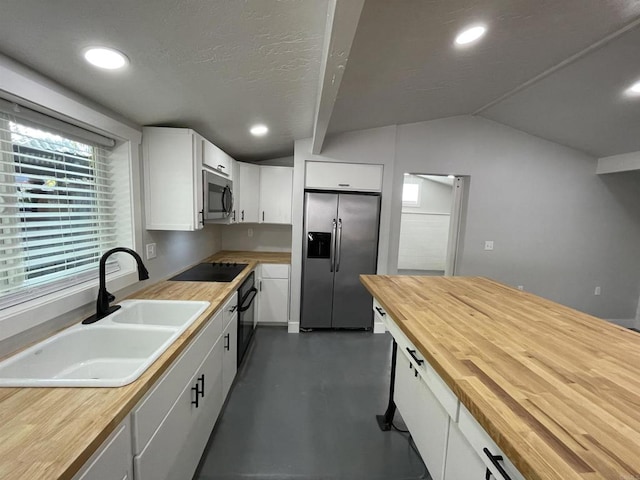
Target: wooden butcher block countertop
49	433
556	389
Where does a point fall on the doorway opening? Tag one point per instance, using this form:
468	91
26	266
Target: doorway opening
430	224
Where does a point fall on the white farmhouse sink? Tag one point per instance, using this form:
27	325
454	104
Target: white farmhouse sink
108	353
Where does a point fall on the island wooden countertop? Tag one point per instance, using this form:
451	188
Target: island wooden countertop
49	433
557	390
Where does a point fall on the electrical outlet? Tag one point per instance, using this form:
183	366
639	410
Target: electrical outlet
520	287
597	291
249	232
151	250
488	245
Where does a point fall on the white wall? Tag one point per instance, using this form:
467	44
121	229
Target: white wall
266	238
559	229
374	146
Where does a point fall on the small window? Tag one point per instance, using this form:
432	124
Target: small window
58	213
411	194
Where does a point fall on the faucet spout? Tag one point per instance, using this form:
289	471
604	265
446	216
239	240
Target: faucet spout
104	297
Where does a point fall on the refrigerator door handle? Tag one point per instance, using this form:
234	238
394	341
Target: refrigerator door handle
338	245
332	254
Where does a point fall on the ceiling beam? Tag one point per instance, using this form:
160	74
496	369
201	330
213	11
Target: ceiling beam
625	162
342	22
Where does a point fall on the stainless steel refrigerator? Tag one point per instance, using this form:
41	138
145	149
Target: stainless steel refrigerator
340	243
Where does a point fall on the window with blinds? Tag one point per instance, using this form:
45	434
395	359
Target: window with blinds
57	210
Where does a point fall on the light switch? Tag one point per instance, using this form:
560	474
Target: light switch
488	245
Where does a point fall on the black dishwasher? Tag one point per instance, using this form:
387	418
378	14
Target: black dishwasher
246	296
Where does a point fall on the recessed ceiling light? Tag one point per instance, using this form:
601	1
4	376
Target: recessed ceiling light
259	130
107	58
634	89
451	176
471	34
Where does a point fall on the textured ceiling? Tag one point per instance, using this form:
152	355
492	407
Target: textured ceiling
215	66
403	67
583	105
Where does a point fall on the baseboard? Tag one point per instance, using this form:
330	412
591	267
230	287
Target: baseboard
623	322
294	327
378	327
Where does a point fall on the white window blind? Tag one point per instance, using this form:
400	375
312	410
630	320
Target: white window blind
57	210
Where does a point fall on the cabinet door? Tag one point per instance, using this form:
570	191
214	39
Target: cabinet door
274	301
229	355
343	176
249	200
112	461
173	178
462	461
164	457
235	212
276	188
425	418
214	158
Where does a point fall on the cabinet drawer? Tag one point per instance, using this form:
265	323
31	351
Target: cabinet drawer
150	411
379	312
480	440
112	461
442	392
229	310
163	457
274	270
344	176
424	416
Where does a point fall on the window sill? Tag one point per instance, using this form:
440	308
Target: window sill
22	317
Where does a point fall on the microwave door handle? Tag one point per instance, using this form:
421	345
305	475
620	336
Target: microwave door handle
230	198
224	195
332	248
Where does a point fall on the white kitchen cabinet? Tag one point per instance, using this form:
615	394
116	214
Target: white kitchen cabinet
248	207
192	416
276	190
235	212
229	343
424	416
216	159
359	177
462	461
113	459
273	300
172	171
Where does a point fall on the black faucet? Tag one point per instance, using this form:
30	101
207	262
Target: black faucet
102	304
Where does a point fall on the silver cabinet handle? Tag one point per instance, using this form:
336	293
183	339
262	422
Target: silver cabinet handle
339	245
332	251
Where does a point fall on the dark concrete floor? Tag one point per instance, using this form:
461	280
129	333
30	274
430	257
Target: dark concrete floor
303	407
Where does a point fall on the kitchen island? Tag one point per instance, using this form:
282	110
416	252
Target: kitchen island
557	390
50	433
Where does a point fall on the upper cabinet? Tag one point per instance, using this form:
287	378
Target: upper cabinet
172	169
247	190
215	159
359	177
276	189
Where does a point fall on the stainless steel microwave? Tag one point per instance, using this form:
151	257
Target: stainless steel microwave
218	196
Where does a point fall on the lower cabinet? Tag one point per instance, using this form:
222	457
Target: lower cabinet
273	303
229	354
176	446
462	461
112	461
425	418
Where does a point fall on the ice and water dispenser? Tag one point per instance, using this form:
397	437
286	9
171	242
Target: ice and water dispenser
319	245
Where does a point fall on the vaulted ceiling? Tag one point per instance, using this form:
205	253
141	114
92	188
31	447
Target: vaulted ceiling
552	68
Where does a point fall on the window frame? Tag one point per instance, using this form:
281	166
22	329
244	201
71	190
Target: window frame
30	89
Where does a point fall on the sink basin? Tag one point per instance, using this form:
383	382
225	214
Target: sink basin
109	353
166	313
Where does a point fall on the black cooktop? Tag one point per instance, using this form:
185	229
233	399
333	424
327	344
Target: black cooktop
211	272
